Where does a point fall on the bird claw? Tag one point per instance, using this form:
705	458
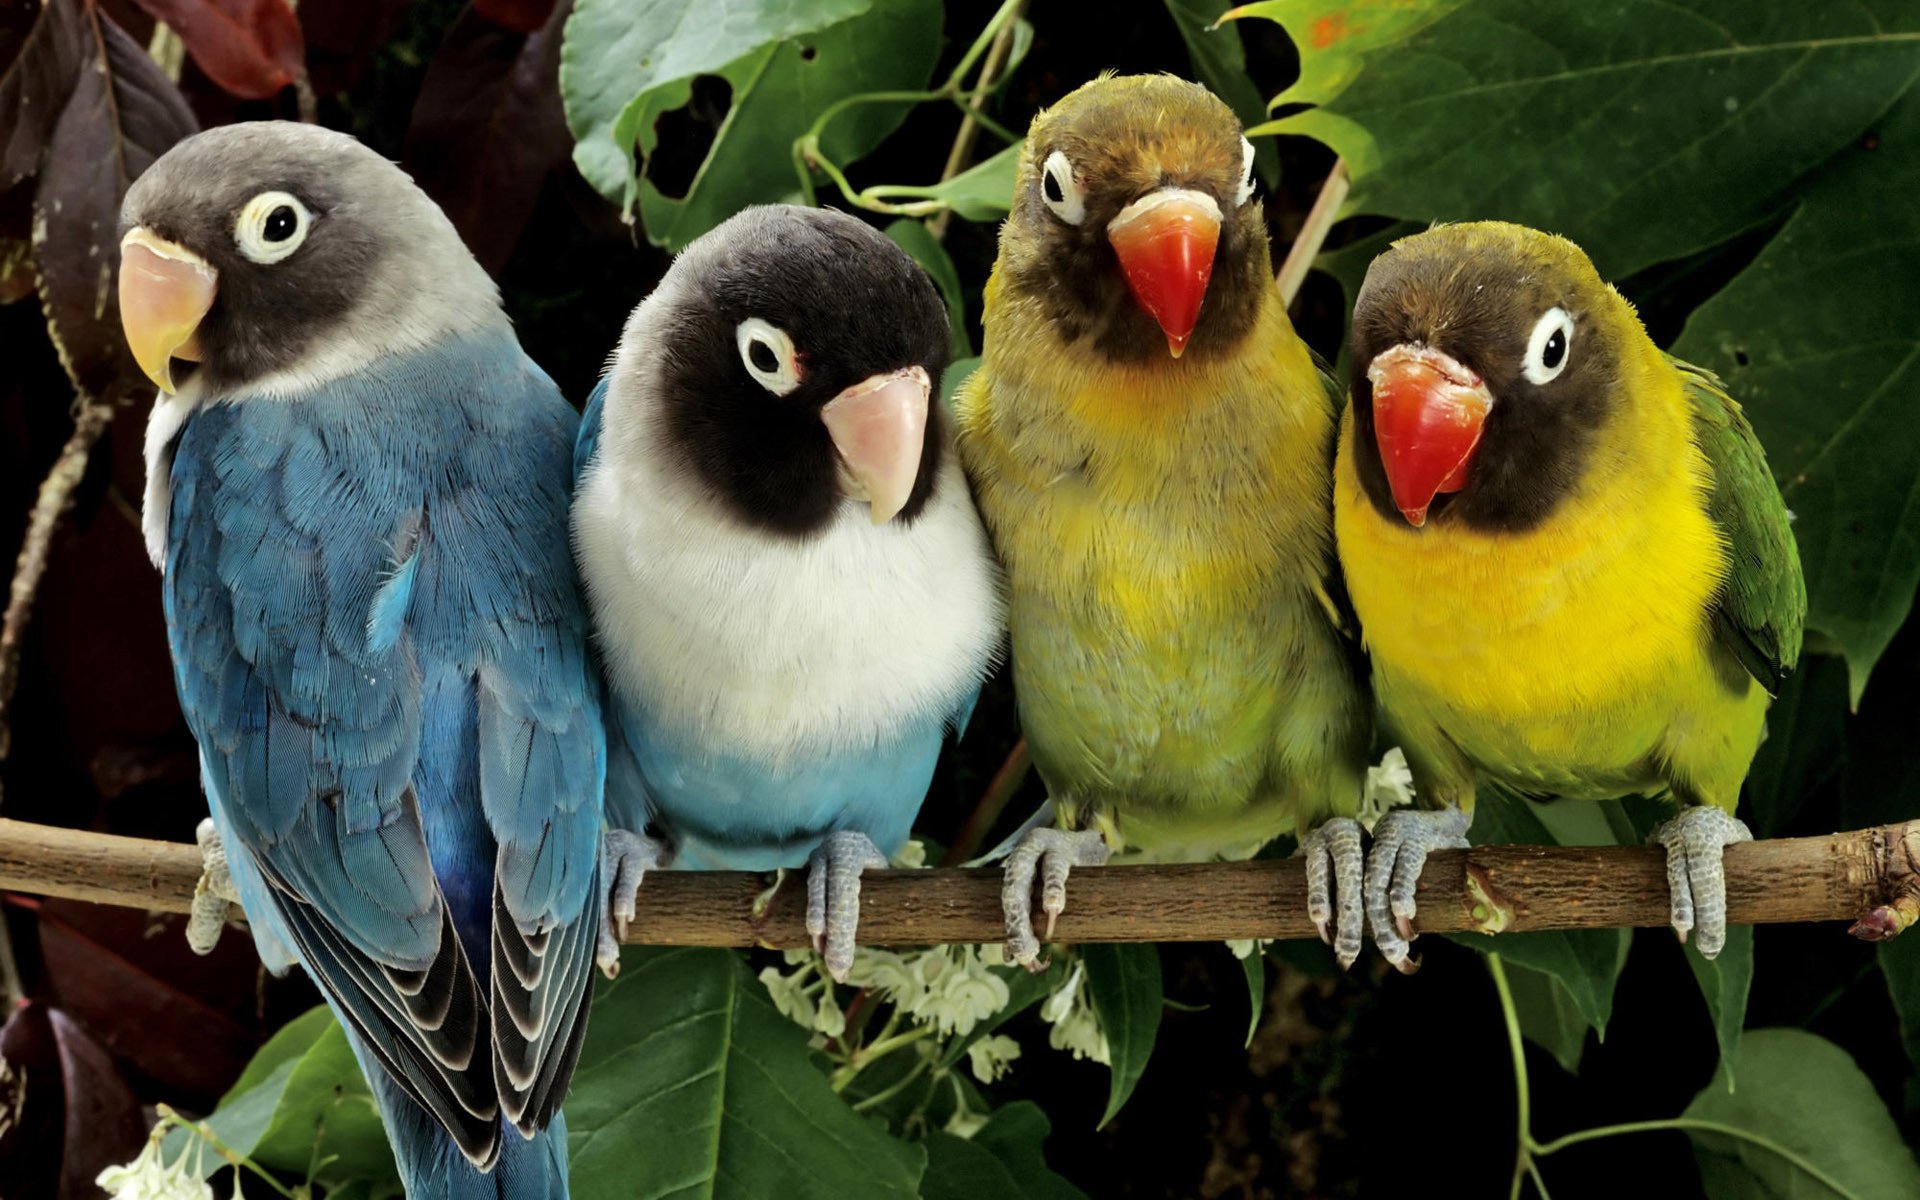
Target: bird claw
1052	854
1696	842
1402	839
213	893
1335	866
625	859
833	895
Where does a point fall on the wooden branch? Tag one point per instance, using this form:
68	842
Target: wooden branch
1313	232
1871	876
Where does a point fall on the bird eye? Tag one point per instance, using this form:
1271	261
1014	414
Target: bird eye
1061	190
768	355
1246	173
1548	347
271	226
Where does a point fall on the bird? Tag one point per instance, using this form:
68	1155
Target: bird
1151	445
357	496
1574	574
791	589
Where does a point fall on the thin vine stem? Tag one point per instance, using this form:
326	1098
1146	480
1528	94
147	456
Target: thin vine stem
1522	1088
1685	1123
894	1089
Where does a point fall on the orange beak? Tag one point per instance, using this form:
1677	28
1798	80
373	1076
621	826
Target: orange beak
165	292
879	426
1428	414
1165	241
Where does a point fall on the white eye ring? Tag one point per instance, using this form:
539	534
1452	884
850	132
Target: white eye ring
1071	206
755	334
251	232
1246	174
1552	339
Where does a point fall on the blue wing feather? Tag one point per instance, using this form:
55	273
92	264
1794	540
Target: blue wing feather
338	565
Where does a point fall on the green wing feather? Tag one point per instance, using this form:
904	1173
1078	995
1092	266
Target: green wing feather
1762	608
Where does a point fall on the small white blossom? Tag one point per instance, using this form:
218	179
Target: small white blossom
1244	948
788	993
965	1122
961	990
1075	1027
1389	786
992	1056
912	856
828	1018
151	1177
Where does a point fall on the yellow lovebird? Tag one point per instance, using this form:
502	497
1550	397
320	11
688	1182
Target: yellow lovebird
1572	568
1151	446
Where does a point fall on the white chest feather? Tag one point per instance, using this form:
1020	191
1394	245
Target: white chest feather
769	646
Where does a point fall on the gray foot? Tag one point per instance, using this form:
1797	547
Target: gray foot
213	894
1401	842
833	895
1335	864
1696	842
625	859
1054	853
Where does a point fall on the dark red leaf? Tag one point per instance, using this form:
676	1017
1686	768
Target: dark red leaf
119	115
166	1014
72	1114
42	67
342	36
252	48
521	16
488	129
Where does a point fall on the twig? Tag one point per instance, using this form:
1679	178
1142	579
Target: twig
1000	789
1486	889
91	418
1313	232
969	125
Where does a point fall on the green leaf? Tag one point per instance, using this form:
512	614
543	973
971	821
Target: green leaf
615	53
1220	61
1123	984
1816	340
1900	964
1003	1160
956	374
913	237
1548	1016
1809	1122
1643	129
1255	967
777	93
1724	982
984	191
690	1082
303	1099
1586	962
1805	747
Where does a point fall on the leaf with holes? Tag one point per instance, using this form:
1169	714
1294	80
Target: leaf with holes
252	48
488	129
618	53
688	1077
1644	130
1817	341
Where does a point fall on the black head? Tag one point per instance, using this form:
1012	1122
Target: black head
768	320
1104	148
310	237
1496	351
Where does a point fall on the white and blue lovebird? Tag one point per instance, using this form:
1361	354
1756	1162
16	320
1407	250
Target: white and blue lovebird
358	500
793	596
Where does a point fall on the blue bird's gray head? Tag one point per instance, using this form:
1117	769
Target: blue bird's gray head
270	251
790	354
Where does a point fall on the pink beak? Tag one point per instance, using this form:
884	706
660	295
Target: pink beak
879	426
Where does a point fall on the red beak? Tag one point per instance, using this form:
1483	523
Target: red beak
1165	241
1428	414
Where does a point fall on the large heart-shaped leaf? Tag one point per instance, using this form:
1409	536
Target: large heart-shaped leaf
1816	339
690	1083
1804	1123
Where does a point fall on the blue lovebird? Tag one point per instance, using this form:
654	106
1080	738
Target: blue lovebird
793	596
358	501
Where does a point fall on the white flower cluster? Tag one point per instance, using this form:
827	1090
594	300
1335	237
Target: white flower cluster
1389	786
151	1177
1076	1028
949	988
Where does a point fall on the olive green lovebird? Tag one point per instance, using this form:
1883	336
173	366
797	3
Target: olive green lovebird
1151	446
1571	566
